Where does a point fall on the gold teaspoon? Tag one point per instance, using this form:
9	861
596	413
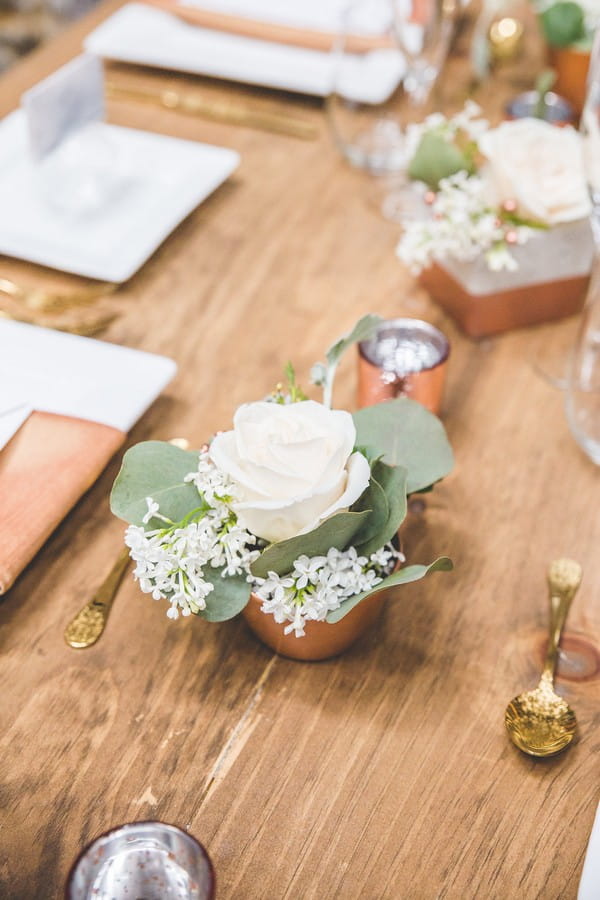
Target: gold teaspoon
540	722
87	626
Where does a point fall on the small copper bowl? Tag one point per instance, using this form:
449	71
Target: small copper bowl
387	368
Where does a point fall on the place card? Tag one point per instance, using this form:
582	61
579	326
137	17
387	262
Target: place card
64	103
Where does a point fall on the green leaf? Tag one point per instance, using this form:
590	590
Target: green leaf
228	597
363	330
392	480
402	576
375	500
563	23
436	158
338	532
155	469
404	433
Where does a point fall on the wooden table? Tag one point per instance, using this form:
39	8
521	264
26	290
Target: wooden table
385	773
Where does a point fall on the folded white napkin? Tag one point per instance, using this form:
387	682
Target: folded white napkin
589	886
52	372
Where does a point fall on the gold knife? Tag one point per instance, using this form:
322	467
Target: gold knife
217	111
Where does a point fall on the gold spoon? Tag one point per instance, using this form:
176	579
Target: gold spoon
540	722
88	624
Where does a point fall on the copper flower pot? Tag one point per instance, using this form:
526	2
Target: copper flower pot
571	68
321	640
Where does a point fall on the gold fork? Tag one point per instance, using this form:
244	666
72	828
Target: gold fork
43	300
86	326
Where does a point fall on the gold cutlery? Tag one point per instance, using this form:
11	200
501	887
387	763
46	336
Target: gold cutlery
216	111
42	300
276	32
540	722
86	326
87	626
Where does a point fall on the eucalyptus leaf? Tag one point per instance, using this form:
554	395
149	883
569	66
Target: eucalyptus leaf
392	481
563	24
436	158
228	597
338	532
404	433
375	500
402	576
363	330
155	469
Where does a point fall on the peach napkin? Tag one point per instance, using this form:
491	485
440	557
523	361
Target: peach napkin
66	405
44	469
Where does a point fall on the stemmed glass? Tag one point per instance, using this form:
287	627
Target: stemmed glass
377	93
582	397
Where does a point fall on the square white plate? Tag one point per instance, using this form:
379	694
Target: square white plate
143	35
163	180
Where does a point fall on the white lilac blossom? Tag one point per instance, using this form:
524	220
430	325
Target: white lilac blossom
319	584
462	225
174	561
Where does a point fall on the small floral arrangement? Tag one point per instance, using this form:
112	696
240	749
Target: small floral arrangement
299	504
487	190
566	23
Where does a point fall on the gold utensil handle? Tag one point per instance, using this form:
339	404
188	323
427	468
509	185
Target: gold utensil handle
229	113
564	578
87	626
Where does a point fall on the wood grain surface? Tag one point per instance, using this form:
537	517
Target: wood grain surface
385	774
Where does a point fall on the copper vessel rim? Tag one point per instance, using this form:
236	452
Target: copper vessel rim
416	324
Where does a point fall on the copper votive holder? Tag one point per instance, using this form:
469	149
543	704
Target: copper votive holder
404	358
149	860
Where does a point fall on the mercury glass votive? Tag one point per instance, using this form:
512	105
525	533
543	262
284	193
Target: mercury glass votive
142	861
405	357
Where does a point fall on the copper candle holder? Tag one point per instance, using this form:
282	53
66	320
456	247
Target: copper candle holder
405	357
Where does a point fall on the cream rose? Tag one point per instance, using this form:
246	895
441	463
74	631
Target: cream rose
539	167
292	466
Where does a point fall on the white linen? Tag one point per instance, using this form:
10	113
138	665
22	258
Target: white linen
140	34
74	376
589	886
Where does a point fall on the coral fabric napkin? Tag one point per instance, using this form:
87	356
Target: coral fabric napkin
66	404
589	886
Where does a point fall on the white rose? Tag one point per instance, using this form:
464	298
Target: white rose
539	167
292	466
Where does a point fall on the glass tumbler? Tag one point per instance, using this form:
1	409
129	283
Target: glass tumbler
582	398
386	60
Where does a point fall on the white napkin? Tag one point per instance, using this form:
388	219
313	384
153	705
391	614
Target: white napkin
589	886
74	376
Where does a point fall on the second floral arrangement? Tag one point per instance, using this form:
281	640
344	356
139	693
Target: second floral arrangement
297	506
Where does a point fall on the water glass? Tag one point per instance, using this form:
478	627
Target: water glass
582	398
149	860
376	94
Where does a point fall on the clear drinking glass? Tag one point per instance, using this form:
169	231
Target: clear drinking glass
149	860
551	353
582	398
376	92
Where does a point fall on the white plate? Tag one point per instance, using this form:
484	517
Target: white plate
162	179
141	34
